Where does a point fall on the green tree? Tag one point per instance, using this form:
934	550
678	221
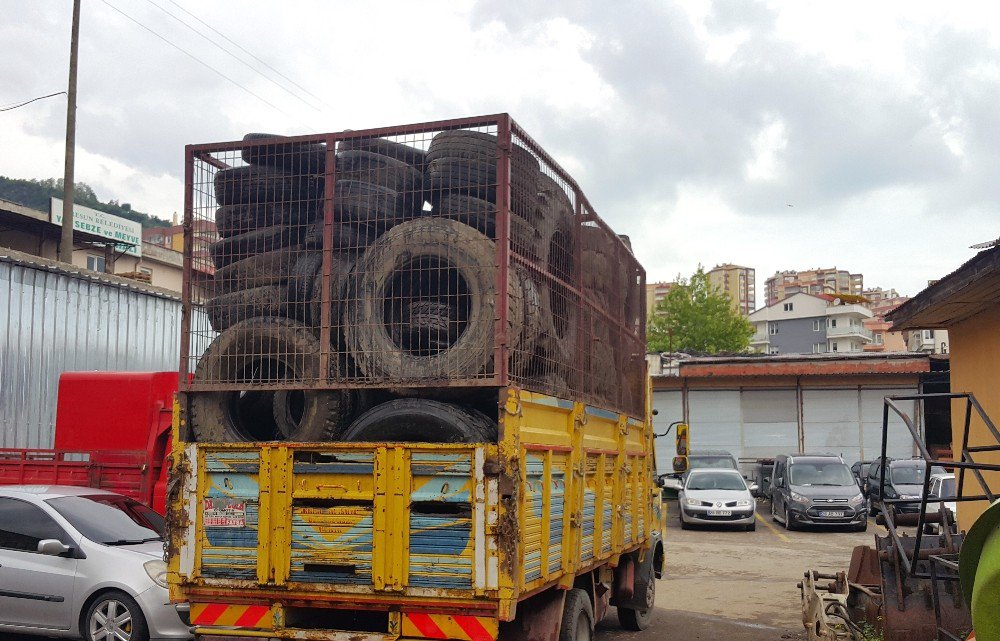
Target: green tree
694	316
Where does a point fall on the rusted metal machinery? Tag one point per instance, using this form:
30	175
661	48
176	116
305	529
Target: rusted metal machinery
907	586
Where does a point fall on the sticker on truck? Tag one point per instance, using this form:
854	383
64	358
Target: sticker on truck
220	512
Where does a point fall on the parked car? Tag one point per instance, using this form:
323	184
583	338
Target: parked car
816	489
704	459
716	497
904	480
942	487
74	563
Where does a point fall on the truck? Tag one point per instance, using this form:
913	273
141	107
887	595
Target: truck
450	435
112	432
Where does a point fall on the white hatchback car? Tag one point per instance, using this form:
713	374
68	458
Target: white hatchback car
716	497
74	566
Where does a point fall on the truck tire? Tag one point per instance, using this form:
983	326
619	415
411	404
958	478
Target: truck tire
383	171
557	239
411	420
229	250
428	259
638	620
348	237
481	215
257	184
269	268
367	204
578	617
232	220
265	350
229	309
294	157
405	153
340	271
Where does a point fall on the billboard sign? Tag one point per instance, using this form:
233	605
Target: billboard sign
125	232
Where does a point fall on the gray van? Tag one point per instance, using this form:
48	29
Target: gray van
816	489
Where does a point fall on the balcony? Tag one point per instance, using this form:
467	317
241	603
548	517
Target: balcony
850	330
760	339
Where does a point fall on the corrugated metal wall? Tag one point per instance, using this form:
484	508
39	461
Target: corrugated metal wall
54	320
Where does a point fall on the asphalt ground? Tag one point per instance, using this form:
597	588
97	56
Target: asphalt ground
737	585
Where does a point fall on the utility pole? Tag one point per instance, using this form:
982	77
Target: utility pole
66	240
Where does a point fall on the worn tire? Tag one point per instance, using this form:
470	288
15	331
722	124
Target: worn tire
232	220
346	236
235	248
456	265
283	350
340	270
258	184
229	309
481	215
421	420
367	204
295	157
405	153
557	238
383	171
578	617
269	268
638	620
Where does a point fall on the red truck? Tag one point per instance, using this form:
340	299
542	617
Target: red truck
112	432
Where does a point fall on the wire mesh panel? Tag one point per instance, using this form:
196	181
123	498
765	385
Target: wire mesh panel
438	256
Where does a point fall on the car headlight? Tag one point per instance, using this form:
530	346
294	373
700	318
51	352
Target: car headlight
692	502
743	503
857	500
157	571
799	498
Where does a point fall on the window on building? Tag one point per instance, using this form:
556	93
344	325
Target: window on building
788	307
819	348
878	339
772	328
772	350
146	270
96	263
817	325
928	334
833	322
834	347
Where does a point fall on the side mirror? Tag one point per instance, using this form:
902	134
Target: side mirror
778	482
680	464
754	489
672	483
53	547
681	441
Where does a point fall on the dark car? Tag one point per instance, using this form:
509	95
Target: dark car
816	489
904	480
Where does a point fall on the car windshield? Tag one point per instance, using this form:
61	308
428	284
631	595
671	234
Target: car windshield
710	462
833	473
907	474
715	481
138	512
947	490
101	522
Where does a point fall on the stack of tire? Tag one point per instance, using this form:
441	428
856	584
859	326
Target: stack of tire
413	293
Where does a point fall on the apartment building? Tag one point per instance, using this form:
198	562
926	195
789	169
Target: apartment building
655	292
813	281
927	341
811	324
740	283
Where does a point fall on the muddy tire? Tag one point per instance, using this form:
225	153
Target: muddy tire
235	248
421	420
257	184
229	309
639	619
578	617
294	157
269	268
265	350
340	270
367	204
383	171
345	236
481	215
405	153
429	259
557	238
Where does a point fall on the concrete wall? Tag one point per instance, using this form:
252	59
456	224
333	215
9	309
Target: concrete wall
975	367
796	336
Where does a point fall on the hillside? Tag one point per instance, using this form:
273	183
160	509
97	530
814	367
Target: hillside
36	194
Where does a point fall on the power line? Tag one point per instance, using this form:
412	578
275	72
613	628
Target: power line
204	64
244	50
237	58
28	102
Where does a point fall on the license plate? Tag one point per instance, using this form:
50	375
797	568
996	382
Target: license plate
831	514
720	512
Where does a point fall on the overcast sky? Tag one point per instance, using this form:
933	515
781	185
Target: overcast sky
776	135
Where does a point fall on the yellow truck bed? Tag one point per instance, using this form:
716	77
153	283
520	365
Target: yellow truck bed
407	540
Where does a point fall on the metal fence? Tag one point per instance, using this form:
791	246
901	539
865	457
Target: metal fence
56	319
453	254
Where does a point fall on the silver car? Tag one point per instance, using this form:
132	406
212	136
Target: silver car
71	565
716	497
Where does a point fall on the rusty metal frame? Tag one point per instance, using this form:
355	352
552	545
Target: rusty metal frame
966	462
629	332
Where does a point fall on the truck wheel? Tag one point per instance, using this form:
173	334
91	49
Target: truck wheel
265	350
417	420
578	617
638	620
